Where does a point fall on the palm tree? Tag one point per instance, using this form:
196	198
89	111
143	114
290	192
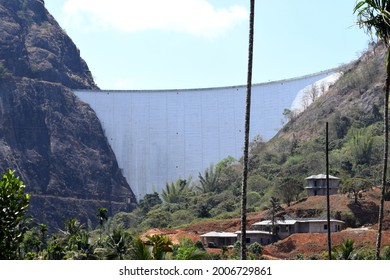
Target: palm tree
247	126
72	233
273	210
175	192
374	15
160	245
345	250
118	241
102	215
139	250
209	180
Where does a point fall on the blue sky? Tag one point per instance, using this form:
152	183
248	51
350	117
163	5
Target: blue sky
176	44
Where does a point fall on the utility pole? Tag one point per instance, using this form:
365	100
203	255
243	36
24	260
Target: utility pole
327	193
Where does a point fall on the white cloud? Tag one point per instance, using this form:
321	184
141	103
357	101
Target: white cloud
194	16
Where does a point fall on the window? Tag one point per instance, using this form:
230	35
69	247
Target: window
248	240
325	226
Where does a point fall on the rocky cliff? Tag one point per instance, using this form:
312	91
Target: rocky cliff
53	141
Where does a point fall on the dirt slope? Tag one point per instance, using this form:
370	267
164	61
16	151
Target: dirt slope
314	244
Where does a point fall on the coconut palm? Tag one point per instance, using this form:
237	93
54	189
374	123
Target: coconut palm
374	15
247	125
161	244
118	242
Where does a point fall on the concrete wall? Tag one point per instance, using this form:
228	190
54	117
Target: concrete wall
318	227
161	135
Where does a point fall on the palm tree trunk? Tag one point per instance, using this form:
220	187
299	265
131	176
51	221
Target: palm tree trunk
247	126
385	155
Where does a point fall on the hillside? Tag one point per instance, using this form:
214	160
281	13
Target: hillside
307	244
53	141
277	168
355	99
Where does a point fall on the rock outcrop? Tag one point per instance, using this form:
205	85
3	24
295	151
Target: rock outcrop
53	141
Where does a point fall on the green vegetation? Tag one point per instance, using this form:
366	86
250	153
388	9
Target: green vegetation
374	15
13	206
275	171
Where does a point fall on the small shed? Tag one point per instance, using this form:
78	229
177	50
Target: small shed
316	185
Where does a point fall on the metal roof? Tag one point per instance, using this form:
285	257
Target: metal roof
322	176
277	222
219	234
291	221
255	232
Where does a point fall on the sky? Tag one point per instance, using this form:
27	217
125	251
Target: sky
178	44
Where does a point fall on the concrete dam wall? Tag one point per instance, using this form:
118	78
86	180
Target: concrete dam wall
161	135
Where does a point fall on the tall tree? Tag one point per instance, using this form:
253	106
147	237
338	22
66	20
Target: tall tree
355	186
102	215
374	15
273	209
289	189
247	125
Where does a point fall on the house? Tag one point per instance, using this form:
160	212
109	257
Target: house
216	239
287	225
260	236
316	185
261	232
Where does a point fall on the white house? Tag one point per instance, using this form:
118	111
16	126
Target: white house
288	226
261	232
260	236
218	239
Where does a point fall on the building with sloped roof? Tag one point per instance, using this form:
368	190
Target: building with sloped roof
261	232
218	239
316	185
286	225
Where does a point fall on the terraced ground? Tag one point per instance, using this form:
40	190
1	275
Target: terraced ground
306	244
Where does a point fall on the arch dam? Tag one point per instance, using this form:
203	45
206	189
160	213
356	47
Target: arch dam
161	135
